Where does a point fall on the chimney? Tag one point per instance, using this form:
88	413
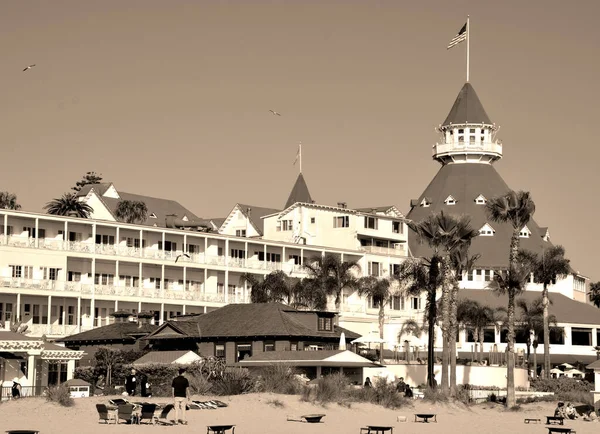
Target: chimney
144	318
121	316
342	205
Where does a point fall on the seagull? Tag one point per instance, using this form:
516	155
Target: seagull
29	67
275	113
179	256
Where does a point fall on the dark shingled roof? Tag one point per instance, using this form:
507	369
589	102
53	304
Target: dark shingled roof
161	357
465	182
565	309
156	206
467	108
120	332
246	320
299	193
256	215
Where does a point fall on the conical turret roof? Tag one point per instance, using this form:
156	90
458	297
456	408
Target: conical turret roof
465	183
299	193
467	108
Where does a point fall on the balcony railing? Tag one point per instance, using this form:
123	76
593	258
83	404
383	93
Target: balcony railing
54	329
384	250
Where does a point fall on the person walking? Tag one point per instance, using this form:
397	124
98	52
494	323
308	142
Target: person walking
181	395
131	383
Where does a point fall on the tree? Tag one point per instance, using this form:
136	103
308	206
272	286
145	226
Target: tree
278	287
333	276
412	328
547	269
9	201
532	320
477	317
88	178
107	359
515	208
131	211
444	233
379	290
69	205
595	293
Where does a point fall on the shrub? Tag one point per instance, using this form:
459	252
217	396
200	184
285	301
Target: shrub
198	384
331	388
159	375
234	382
382	393
276	403
61	395
565	389
278	378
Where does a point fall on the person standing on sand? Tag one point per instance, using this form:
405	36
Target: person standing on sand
181	395
131	383
16	389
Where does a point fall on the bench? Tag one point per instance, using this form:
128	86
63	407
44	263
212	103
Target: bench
220	429
376	429
554	420
425	417
560	430
528	420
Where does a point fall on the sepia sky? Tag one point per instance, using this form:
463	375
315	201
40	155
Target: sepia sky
171	99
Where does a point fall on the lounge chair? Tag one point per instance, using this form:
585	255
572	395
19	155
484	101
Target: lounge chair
147	413
162	419
104	414
118	401
125	412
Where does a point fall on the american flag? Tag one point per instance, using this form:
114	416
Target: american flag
461	36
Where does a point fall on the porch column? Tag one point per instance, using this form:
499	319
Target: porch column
162	280
5	229
17	308
49	320
226	254
70	369
140	281
31	369
245	252
37	233
141	245
117	243
183	310
162	313
93	298
283	259
116	305
79	314
94	238
117	279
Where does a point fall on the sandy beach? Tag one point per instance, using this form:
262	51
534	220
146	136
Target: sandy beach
268	413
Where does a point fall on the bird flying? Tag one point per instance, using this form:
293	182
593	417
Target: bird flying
29	67
275	113
179	256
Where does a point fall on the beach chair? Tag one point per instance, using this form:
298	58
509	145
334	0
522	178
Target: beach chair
125	412
104	414
162	419
118	401
147	413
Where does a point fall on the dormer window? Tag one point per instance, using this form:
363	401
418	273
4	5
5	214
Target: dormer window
525	233
325	324
185	218
450	200
487	231
480	200
152	216
425	202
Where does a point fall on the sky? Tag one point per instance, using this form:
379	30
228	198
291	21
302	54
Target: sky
171	99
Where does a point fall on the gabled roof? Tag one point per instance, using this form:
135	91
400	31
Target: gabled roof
121	332
309	358
465	182
467	109
256	215
565	309
7	335
245	320
299	192
162	357
388	210
157	206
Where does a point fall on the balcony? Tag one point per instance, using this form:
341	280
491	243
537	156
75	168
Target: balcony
384	250
474	148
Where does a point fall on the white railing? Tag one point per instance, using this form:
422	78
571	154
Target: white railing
384	250
488	147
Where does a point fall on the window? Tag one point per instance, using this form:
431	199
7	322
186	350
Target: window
287	225
193	248
581	336
450	201
70	315
489	335
325	324
273	257
28	272
397	228
9	230
461	135
238	253
293	346
486	231
243	351
394	269
397	302
480	200
425	202
240	232
372	303
374	269
415	303
579	284
295	258
341	221
487	275
371	222
17	271
152	216
524	233
109	279
105	239
269	346
36	314
170	246
50	273
312	220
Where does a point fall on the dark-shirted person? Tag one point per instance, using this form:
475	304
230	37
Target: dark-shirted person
181	394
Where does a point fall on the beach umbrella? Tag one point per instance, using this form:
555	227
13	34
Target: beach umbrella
567	366
343	341
368	340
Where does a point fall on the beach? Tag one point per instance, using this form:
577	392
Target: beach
268	413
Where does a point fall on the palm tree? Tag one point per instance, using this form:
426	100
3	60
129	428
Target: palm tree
412	328
333	275
532	320
444	234
9	201
278	287
131	211
379	291
515	208
595	293
547	269
476	317
69	205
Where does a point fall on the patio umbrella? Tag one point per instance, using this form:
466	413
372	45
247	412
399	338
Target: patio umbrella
343	341
567	366
369	340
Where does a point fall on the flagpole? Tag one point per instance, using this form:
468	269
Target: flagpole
300	155
468	38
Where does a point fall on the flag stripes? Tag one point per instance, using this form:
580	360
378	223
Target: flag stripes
461	36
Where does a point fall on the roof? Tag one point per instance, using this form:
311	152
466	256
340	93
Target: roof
161	357
309	358
256	215
156	206
594	365
76	382
465	182
246	320
6	335
117	332
565	309
299	192
467	108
